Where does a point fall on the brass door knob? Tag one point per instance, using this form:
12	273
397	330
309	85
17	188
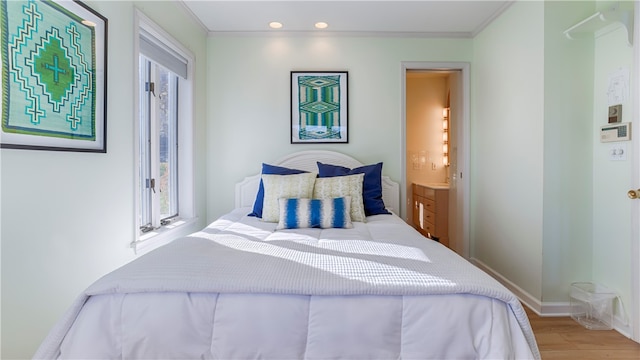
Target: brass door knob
633	194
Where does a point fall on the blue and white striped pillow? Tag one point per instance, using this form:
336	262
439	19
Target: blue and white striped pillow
317	213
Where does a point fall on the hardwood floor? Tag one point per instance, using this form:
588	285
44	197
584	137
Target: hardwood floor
563	338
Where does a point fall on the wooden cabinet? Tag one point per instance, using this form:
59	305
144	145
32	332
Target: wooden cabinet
431	212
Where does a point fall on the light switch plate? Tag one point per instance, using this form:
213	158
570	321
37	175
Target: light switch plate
618	152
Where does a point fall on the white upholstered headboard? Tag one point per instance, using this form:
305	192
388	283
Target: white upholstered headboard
247	189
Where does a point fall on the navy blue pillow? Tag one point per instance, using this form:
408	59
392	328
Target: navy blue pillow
270	170
371	188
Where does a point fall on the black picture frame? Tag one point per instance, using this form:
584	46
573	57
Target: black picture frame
54	76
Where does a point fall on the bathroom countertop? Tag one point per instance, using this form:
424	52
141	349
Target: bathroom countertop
437	186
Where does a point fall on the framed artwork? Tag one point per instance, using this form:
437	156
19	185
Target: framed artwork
319	108
54	70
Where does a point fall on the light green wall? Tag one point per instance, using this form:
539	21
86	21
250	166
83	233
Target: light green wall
587	224
68	218
249	105
507	146
611	179
568	143
548	206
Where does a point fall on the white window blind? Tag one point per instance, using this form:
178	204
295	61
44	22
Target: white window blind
154	49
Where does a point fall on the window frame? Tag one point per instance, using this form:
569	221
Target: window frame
166	231
151	209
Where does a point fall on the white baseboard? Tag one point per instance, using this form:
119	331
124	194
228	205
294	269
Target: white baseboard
527	299
544	309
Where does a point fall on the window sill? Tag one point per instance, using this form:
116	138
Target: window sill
163	235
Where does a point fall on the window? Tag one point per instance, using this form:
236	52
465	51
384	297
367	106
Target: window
158	121
164	136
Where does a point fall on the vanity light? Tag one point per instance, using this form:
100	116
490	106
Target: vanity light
445	136
321	25
275	25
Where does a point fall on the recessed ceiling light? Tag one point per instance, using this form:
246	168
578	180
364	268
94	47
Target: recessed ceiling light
321	25
275	25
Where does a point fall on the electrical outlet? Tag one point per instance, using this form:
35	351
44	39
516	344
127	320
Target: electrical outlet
433	166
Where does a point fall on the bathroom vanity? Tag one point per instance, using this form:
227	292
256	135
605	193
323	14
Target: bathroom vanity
431	210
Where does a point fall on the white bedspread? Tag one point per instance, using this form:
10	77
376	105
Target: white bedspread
241	255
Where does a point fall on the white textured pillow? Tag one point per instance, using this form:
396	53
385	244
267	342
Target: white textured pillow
284	186
342	186
315	213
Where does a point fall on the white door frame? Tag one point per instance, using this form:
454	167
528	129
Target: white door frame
635	181
463	154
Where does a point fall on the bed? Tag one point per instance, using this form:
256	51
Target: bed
247	288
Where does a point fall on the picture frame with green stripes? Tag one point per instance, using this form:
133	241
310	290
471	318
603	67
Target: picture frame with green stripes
54	71
319	107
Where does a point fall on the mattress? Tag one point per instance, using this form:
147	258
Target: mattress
239	289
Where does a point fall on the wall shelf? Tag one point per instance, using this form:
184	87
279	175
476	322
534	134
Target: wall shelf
600	20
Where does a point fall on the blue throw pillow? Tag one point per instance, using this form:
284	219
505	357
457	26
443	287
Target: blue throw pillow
372	186
314	213
270	170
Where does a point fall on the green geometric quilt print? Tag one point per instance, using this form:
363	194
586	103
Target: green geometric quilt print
48	71
319	107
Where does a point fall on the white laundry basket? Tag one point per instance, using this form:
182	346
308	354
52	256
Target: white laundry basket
592	305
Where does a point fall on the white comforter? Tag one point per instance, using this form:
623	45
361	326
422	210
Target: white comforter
239	289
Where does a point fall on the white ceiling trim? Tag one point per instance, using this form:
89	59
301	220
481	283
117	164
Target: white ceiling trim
489	20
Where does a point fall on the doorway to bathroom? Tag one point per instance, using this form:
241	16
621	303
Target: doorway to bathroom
436	148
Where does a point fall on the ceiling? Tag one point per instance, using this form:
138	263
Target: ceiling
451	18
